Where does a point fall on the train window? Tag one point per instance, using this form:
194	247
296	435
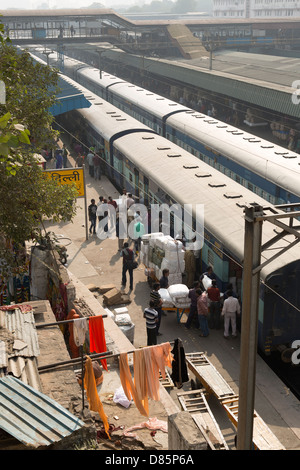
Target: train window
272	200
250	186
210	258
237	179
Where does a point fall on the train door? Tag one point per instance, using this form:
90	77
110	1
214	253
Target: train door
235	273
146	191
136	183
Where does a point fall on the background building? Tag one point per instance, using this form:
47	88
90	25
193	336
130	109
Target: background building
256	8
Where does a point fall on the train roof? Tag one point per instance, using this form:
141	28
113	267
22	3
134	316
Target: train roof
188	180
264	158
153	103
111	122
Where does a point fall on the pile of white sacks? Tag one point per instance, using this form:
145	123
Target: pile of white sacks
176	295
159	252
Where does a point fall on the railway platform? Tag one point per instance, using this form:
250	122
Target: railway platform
98	262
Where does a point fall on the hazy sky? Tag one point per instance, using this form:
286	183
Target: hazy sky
32	4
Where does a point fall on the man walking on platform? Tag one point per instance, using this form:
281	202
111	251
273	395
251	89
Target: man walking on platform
128	258
92	209
151	316
230	309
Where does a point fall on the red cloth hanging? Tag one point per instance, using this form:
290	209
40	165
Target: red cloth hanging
97	337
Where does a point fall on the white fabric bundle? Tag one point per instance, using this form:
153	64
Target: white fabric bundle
206	281
166	298
180	295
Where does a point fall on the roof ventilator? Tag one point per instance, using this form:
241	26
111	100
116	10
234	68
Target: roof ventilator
232	195
190	167
216	184
203	175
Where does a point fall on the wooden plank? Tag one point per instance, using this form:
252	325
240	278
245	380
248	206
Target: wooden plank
195	403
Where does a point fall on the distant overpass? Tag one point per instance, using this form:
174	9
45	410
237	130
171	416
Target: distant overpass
141	36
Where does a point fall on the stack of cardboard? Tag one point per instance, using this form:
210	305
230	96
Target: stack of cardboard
113	296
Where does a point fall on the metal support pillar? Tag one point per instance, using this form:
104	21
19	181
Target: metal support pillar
251	282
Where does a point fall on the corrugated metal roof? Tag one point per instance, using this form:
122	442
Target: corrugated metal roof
32	417
20	346
22	326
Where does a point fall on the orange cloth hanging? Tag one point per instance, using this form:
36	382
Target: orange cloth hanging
97	337
74	349
140	378
128	385
92	393
147	364
162	356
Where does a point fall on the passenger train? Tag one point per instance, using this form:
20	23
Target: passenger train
266	169
158	171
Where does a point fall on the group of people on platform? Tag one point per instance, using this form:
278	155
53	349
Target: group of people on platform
208	306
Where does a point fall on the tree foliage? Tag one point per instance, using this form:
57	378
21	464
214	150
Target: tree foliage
31	90
27	196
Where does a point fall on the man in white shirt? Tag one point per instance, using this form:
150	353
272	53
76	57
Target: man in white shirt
231	307
90	161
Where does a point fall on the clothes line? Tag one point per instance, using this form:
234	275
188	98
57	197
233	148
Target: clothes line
104	355
42	325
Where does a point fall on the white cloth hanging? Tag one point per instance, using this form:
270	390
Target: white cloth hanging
80	327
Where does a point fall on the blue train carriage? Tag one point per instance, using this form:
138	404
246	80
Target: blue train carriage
163	169
173	174
279	321
267	169
253	162
103	124
264	168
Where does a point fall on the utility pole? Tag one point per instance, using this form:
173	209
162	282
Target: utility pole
255	215
252	255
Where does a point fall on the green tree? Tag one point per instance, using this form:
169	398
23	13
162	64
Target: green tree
27	196
31	89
